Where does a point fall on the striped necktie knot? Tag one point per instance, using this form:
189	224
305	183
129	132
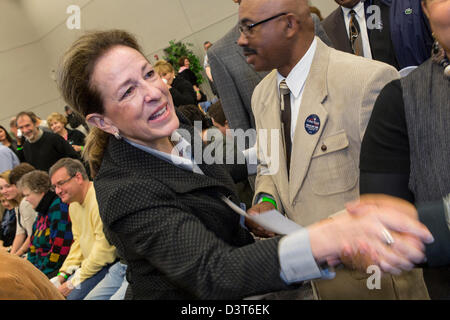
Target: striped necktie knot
355	35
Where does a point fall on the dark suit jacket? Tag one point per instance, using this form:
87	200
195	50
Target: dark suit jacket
334	26
179	239
380	41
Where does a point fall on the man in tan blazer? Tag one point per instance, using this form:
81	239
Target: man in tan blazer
331	96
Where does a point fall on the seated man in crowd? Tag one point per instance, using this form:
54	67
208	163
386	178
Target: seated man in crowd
40	148
90	252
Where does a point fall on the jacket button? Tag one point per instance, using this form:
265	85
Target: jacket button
324	148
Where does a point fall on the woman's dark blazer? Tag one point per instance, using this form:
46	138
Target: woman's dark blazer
179	239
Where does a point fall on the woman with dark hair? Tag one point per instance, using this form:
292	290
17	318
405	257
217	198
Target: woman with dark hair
186	73
52	231
165	209
6	140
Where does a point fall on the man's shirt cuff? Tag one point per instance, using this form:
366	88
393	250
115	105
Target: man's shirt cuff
296	259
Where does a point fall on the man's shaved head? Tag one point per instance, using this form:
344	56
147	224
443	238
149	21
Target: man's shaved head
281	41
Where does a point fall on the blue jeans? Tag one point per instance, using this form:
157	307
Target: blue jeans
206	104
87	285
113	285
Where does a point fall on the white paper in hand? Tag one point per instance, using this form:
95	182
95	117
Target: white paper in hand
271	220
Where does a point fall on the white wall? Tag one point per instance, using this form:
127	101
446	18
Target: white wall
325	6
34	35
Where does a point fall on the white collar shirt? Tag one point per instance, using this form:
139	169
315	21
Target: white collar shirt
296	81
361	17
181	155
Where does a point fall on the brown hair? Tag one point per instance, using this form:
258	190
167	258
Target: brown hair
181	61
12	122
7	135
72	166
19	171
215	111
5	176
28	114
74	82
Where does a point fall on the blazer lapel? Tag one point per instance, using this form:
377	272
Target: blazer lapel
314	95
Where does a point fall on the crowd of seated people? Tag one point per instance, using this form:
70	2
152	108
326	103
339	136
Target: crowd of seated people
124	209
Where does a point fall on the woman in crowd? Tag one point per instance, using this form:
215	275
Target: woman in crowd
6	139
186	73
52	231
165	212
405	151
181	90
25	214
8	223
57	123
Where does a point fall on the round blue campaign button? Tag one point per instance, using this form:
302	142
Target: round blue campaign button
312	124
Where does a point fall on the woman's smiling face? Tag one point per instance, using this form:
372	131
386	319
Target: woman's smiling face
136	101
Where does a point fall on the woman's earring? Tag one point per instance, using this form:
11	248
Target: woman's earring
117	135
439	56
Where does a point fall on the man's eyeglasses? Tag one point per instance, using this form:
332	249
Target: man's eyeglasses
246	29
59	184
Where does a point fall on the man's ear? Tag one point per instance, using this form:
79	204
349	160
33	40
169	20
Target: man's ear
292	25
101	122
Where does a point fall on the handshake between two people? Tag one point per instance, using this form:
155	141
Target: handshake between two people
375	230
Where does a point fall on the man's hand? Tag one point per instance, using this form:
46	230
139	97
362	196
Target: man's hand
397	214
66	288
373	236
255	228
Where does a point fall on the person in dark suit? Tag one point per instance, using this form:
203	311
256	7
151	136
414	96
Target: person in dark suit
396	33
163	207
377	43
